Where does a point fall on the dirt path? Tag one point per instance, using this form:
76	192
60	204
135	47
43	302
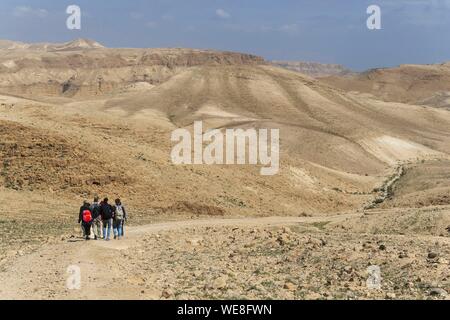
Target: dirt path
43	274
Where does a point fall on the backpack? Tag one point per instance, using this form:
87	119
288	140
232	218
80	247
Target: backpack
95	209
87	216
106	211
119	213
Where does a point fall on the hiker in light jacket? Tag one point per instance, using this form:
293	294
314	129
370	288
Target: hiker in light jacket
97	219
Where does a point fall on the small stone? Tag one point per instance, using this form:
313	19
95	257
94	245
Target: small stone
195	242
432	255
283	239
197	273
220	283
313	296
348	269
290	286
391	295
286	230
167	293
382	247
438	292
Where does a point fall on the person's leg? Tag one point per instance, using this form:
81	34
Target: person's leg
108	235
115	229
94	229
99	228
101	234
104	228
87	229
123	227
119	229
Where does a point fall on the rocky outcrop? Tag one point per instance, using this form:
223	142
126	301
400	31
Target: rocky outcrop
314	69
84	67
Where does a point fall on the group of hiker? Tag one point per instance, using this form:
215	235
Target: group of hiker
101	217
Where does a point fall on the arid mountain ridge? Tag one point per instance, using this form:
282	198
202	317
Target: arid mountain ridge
337	147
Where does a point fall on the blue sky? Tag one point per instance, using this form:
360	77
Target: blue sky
328	31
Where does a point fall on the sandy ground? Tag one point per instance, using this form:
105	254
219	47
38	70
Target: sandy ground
273	257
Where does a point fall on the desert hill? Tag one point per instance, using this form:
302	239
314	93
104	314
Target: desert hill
414	84
314	69
78	44
85	68
336	147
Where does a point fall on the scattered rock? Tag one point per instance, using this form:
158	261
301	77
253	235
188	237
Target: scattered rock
348	269
220	283
286	230
391	296
195	242
313	296
290	286
197	273
283	239
432	255
167	293
438	292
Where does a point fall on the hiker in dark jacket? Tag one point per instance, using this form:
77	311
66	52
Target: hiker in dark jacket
97	219
107	214
85	218
120	216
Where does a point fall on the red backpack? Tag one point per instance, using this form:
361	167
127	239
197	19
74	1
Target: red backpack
87	216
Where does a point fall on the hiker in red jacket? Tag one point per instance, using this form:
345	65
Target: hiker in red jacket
85	218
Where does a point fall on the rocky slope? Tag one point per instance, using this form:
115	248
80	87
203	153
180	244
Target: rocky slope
85	68
314	69
75	45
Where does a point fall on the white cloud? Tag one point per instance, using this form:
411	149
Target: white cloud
151	24
26	11
221	13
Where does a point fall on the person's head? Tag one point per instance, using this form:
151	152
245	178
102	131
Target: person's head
96	199
85	203
118	203
105	200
